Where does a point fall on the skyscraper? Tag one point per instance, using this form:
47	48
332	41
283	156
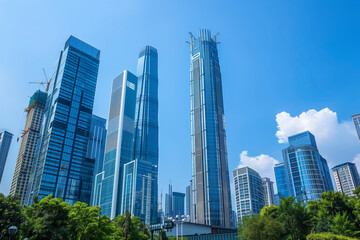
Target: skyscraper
5	142
188	200
115	183
210	174
249	192
174	204
29	139
62	168
306	171
146	142
356	120
178	204
281	182
96	150
346	178
268	187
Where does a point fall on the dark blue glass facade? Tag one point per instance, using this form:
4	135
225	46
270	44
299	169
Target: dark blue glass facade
62	167
146	149
5	142
306	171
281	183
96	149
210	174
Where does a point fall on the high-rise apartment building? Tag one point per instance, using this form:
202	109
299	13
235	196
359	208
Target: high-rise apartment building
146	140
268	187
346	178
281	183
5	142
62	167
249	192
210	175
306	171
96	150
29	139
356	120
114	185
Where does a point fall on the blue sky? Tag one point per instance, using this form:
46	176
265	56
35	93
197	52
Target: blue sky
276	57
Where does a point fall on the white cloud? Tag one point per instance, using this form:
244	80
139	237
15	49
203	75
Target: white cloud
337	141
263	164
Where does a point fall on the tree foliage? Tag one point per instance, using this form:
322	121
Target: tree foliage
334	216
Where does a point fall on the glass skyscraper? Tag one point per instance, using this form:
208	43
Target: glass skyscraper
210	174
146	148
96	150
29	140
62	167
356	120
268	187
346	178
249	192
281	183
5	142
116	182
306	171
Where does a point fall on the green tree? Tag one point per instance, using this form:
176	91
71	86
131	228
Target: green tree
49	219
341	225
295	218
262	228
270	211
162	235
84	222
10	213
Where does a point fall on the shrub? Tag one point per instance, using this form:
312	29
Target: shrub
327	236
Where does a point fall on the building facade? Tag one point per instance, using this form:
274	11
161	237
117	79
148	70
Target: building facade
268	187
346	178
188	201
210	173
249	192
62	168
306	171
27	151
356	120
96	150
5	142
281	183
146	140
113	186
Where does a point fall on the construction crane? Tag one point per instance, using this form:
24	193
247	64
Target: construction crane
45	83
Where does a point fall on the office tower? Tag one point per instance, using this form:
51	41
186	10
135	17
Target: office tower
169	202
188	200
249	192
356	120
276	199
281	183
96	150
346	178
62	168
29	139
234	219
268	187
5	142
113	186
306	171
146	149
178	204
210	175
174	204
